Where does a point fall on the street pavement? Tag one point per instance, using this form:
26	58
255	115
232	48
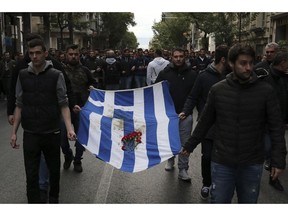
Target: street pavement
100	183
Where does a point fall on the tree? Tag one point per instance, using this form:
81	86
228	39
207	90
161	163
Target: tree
114	27
225	27
71	21
170	33
129	40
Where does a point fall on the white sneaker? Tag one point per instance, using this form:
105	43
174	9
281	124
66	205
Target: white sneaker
183	175
170	164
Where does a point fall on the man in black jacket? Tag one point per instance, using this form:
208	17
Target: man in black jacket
240	108
278	78
181	79
81	80
198	97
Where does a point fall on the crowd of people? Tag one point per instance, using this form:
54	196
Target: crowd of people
242	106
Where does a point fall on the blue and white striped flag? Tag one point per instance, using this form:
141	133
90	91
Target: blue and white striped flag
132	129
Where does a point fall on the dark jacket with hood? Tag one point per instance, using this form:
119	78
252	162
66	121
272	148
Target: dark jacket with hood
240	112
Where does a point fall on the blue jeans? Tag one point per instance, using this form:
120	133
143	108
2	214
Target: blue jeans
185	128
140	81
245	179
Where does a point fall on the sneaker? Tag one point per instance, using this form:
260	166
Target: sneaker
205	192
78	166
170	164
276	184
68	160
183	175
267	165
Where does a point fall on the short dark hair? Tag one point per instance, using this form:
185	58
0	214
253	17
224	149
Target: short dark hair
220	52
240	49
37	42
177	50
72	46
279	57
158	52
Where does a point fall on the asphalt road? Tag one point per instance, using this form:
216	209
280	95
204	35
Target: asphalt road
100	183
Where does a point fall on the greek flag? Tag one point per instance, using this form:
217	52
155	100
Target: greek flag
132	129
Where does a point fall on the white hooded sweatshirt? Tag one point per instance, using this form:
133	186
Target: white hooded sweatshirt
154	68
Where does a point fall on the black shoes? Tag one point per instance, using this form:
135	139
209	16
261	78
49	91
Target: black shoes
43	196
78	166
276	184
68	160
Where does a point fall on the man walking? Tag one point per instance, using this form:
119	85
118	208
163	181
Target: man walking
197	98
240	107
40	91
81	80
181	79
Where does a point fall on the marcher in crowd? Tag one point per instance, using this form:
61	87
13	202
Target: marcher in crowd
23	64
201	61
271	50
278	79
111	71
127	68
214	73
140	73
155	66
81	80
240	107
181	79
40	101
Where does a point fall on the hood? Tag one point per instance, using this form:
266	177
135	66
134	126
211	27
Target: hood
233	79
48	65
110	60
159	60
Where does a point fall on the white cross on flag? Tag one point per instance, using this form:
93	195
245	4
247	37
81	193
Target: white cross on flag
132	129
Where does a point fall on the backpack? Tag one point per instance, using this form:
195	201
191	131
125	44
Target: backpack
112	69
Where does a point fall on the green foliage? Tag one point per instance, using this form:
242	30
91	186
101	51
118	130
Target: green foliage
169	33
115	25
225	27
129	40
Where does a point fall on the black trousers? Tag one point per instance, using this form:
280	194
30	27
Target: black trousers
33	145
206	151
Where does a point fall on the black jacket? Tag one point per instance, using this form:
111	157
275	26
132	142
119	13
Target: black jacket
279	82
240	113
181	82
198	96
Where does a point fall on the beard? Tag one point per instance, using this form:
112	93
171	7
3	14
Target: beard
73	62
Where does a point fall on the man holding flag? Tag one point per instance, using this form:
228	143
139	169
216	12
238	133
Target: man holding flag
181	79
